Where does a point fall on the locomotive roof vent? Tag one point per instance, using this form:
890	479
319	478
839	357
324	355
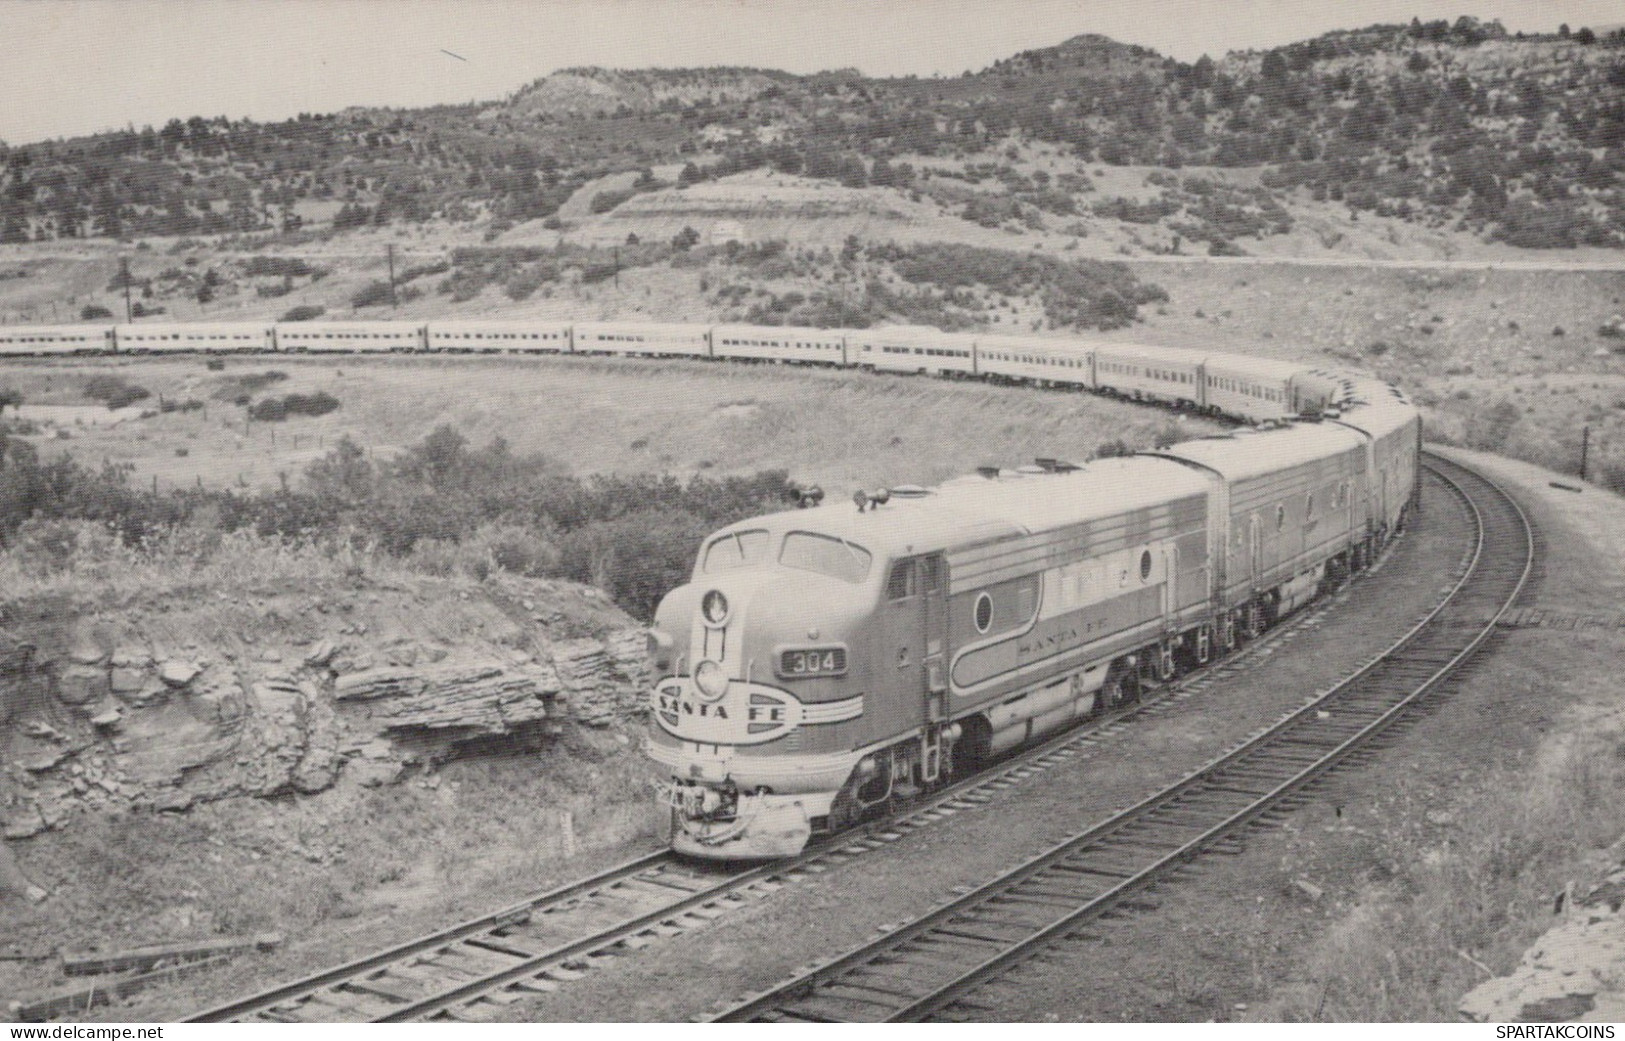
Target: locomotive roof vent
910	491
990	472
1056	466
1030	470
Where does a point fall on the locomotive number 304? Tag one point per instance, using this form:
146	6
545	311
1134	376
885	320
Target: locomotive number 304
814	661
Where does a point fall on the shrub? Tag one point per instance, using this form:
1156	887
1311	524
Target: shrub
277	267
373	294
1113	449
114	391
303	313
438	267
275	410
603	202
92	312
523	282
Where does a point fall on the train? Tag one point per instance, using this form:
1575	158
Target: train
829	661
1245	388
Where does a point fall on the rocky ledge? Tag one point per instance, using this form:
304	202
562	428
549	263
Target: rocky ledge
145	712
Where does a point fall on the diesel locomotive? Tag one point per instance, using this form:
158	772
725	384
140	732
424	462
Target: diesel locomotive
822	663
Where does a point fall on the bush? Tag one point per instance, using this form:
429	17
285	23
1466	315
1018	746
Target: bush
277	267
524	282
276	410
114	391
603	202
302	313
93	312
1113	449
373	294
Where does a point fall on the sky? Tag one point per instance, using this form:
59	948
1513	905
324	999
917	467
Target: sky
71	67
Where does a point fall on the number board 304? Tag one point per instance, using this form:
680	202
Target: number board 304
812	661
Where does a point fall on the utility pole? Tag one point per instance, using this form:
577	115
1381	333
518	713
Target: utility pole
124	271
393	302
617	267
1585	448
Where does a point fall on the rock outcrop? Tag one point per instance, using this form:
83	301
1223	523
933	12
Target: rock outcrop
1572	973
156	713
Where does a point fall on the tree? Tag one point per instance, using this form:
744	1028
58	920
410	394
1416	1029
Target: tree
344	474
1585	37
1563	31
685	240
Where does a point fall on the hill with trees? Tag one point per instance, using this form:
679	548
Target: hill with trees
1460	125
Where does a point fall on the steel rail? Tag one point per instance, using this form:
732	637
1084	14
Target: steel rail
264	999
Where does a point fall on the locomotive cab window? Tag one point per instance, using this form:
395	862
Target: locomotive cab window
900	583
825	555
735	550
930	574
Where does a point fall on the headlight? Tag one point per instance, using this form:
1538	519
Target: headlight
711	681
714	607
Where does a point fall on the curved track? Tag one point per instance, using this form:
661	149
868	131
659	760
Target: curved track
540	944
549	939
924	968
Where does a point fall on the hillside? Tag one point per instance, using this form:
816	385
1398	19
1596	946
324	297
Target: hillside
1435	125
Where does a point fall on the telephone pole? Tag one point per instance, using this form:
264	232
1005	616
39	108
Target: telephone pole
124	273
393	302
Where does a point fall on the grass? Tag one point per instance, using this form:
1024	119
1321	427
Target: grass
839	429
1481	893
84	561
403	859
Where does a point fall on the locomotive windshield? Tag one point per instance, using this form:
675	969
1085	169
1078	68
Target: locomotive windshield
821	554
735	550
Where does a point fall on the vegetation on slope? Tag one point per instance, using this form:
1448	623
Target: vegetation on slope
1521	139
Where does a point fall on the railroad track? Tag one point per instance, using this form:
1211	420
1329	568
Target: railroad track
547	940
930	967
